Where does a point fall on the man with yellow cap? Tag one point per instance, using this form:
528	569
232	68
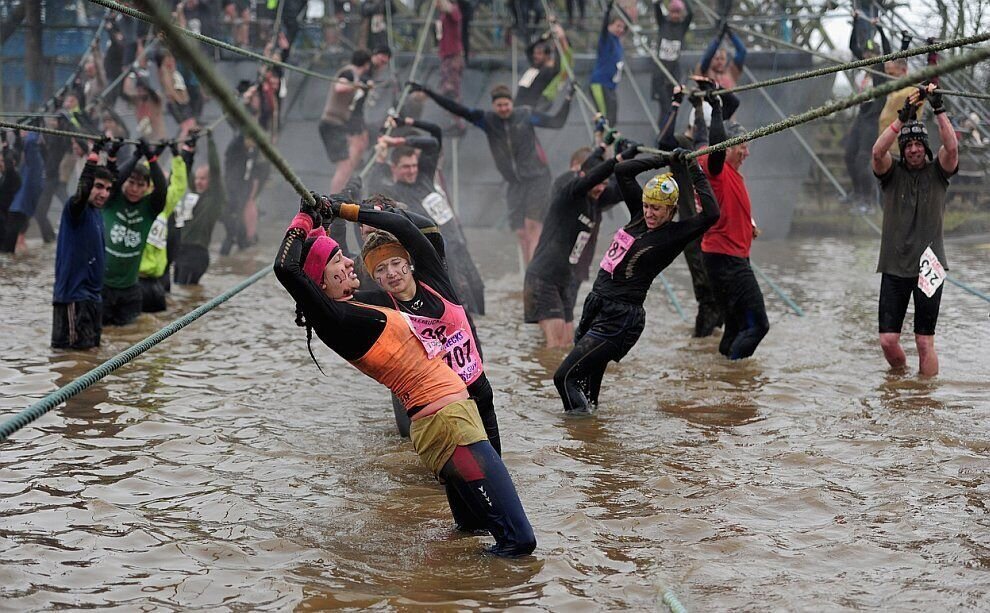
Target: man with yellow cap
613	317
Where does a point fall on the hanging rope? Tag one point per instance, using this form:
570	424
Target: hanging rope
959	42
412	76
62	394
212	41
952	92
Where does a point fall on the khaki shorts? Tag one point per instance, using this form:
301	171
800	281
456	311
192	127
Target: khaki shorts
435	437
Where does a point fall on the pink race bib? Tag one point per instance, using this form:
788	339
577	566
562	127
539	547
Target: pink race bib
617	251
456	345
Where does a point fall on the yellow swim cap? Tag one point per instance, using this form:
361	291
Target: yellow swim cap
661	190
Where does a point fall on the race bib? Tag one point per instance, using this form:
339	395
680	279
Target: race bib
528	77
158	235
377	23
436	207
931	274
617	251
669	50
184	211
579	244
438	339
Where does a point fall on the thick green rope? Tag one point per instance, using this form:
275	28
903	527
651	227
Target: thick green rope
188	53
63	133
950	44
62	394
670	599
126	10
952	92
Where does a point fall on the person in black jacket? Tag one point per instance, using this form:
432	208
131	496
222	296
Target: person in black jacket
613	318
518	155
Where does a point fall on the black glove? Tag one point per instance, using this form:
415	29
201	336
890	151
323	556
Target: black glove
659	161
143	148
174	147
679	156
157	150
938	104
312	209
100	144
907	112
630	150
114	147
697	97
610	136
905	40
415	87
86	180
678	97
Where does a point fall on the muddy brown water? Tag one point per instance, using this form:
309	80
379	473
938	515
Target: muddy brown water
220	471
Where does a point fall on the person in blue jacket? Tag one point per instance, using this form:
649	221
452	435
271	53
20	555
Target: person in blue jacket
26	200
607	72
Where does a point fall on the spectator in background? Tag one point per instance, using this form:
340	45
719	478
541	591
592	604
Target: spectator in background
197	215
147	105
25	201
715	63
671	30
237	13
451	52
607	72
374	24
343	141
10	183
538	86
175	90
385	88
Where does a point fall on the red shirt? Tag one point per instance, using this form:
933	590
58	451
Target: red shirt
732	234
450	32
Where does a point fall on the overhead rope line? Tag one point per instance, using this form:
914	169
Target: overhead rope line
860	64
212	41
68	134
953	92
412	76
62	394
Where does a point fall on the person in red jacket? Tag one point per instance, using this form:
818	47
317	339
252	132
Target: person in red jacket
725	247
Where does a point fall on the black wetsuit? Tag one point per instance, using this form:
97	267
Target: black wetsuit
567	230
429	269
613	316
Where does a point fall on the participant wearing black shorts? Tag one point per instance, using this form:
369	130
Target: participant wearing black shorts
549	282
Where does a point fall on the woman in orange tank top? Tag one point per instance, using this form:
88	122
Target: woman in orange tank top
446	431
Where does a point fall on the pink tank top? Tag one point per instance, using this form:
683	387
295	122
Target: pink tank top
449	336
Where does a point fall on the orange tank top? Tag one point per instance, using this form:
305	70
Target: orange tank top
398	361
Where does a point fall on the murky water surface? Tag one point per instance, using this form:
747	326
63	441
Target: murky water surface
220	471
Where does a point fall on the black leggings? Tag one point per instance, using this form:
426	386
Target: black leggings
579	377
482	497
482	394
741	302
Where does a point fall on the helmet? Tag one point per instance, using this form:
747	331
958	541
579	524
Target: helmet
914	130
661	190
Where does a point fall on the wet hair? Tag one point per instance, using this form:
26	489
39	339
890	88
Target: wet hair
580	155
360	57
102	172
501	91
300	316
400	152
142	171
380	200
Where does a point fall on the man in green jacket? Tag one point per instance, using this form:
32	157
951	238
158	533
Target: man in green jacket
127	217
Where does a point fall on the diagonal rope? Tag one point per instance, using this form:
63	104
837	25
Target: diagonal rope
62	394
211	41
412	76
569	70
952	92
959	42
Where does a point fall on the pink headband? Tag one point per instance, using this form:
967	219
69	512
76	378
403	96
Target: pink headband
318	256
